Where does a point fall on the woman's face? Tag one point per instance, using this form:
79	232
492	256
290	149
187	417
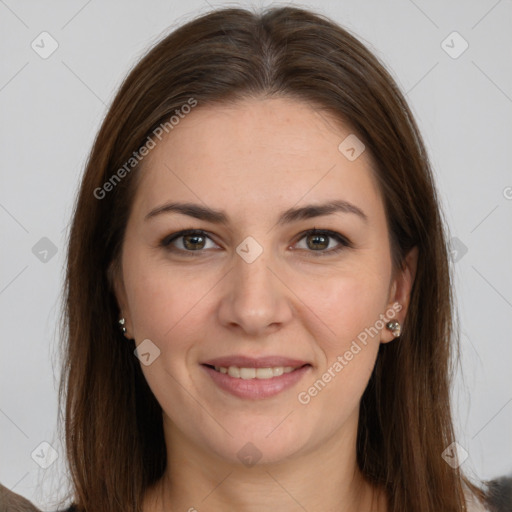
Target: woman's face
258	285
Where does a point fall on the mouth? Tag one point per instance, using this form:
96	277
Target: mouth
256	383
249	373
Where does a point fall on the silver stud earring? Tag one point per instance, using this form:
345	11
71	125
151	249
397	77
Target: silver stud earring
395	327
121	325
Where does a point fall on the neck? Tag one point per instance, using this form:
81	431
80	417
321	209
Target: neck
326	478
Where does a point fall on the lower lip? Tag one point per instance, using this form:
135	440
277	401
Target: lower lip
256	388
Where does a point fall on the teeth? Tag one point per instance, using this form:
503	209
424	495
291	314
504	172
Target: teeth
254	373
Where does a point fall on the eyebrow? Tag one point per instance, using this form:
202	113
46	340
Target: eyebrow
286	217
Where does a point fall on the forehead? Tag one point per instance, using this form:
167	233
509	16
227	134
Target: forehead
255	154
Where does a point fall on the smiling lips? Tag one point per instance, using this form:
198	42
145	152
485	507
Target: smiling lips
259	378
243	367
254	373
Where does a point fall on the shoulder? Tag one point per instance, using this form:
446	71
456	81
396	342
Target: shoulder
498	497
499	494
71	508
13	502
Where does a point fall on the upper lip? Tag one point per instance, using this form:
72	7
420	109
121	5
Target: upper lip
255	362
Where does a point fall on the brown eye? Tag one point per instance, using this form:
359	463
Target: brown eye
193	241
186	241
320	240
317	241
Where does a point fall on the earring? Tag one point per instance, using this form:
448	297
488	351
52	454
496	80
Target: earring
395	327
121	325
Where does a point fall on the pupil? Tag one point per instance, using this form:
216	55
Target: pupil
316	245
194	243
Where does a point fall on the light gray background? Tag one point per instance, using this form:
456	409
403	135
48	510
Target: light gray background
52	108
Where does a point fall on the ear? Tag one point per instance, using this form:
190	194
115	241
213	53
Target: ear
400	291
116	284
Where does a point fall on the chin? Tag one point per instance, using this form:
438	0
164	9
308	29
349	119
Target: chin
254	446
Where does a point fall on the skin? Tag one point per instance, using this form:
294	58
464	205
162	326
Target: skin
254	159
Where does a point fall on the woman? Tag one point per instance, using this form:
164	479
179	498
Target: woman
258	217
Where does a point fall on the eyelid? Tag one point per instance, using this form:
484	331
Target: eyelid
168	239
328	232
343	241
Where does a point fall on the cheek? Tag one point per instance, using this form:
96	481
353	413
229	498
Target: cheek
167	307
350	306
346	304
164	299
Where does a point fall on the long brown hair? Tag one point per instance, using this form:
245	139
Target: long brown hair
113	423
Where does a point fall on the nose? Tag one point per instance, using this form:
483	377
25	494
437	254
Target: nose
255	297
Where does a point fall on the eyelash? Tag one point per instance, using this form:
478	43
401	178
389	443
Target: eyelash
344	243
